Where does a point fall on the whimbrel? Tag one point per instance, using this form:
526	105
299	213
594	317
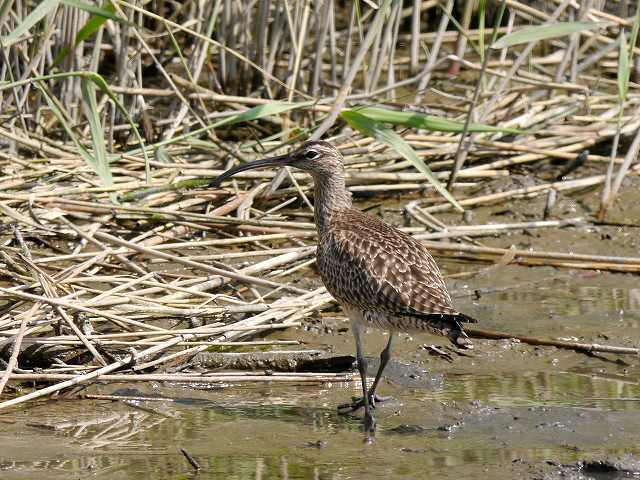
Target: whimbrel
381	276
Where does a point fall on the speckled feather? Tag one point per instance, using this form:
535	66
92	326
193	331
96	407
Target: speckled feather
381	276
384	277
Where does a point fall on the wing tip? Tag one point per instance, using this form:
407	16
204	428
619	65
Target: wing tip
461	317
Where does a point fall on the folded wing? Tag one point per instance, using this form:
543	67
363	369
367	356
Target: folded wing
373	266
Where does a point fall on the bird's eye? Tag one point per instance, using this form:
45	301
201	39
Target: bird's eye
311	154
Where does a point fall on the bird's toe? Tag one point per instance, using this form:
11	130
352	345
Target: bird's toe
358	402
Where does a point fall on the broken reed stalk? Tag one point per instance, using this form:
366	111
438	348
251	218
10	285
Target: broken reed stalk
237	377
13	360
320	296
444	246
134	343
192	461
578	346
528	257
130	359
463	146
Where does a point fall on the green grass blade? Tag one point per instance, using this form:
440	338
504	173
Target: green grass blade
359	19
497	22
458	25
4	7
55	76
88	30
98	161
623	69
254	113
102	85
61	55
426	122
102	12
387	136
38	13
90	108
543	32
94	23
84	153
260	111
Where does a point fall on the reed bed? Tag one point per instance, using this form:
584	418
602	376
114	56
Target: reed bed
115	255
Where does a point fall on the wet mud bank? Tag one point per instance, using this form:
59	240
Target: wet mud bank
503	410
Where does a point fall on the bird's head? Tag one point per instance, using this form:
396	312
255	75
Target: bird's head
319	158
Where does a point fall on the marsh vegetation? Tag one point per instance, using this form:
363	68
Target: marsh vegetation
505	135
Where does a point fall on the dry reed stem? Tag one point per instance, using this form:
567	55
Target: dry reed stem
139	263
302	377
578	346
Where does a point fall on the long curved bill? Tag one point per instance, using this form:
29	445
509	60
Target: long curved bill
279	161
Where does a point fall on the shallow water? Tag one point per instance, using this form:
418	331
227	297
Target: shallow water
505	410
500	412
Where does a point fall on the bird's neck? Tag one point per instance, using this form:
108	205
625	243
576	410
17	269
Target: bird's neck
330	197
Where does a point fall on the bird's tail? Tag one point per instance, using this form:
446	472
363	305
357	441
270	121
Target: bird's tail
461	317
449	325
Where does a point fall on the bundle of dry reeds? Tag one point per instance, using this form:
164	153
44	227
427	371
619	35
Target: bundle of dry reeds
114	116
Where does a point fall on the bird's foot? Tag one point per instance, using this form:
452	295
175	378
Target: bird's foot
358	402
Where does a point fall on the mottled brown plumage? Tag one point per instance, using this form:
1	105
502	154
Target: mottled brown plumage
368	265
381	276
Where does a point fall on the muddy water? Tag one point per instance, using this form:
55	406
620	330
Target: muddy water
501	412
504	411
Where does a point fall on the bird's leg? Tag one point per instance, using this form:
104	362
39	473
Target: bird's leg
369	421
385	355
372	398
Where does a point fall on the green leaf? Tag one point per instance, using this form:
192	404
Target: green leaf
90	108
102	12
98	161
542	32
84	153
46	6
102	85
61	55
385	135
633	40
426	122
94	23
88	30
634	32
254	113
38	13
623	69
260	111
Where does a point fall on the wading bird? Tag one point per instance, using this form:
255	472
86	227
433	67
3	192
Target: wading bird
381	276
